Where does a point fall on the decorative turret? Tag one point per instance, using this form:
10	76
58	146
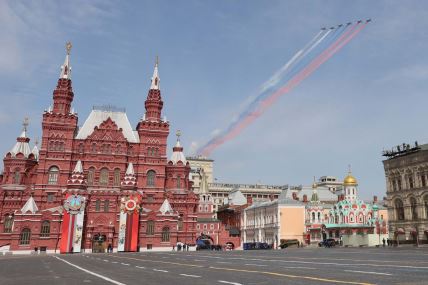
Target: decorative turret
129	181
22	142
350	186
154	101
63	93
314	198
77	177
177	154
35	150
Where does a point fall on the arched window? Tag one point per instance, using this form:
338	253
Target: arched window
91	174
319	217
116	178
24	238
180	224
178	182
106	205
414	208
150	228
399	209
45	229
53	175
104	177
410	182
17	177
426	206
165	234
94	147
313	217
98	205
81	148
8	224
151	175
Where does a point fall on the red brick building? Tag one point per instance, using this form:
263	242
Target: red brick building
103	185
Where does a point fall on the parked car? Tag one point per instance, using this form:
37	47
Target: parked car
289	242
327	242
256	245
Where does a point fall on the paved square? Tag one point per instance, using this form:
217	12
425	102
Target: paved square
292	266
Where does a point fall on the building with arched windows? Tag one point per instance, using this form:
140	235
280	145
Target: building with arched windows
103	185
406	173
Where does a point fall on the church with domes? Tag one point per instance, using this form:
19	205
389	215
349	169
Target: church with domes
104	186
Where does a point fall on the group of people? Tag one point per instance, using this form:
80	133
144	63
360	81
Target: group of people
388	241
185	247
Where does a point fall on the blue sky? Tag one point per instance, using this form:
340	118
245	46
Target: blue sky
213	56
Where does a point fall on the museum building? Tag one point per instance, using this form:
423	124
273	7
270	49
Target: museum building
102	186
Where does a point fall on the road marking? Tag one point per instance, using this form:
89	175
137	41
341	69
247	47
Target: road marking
141	267
227	282
189	275
114	262
252	264
127	264
369	272
159	270
90	272
299	267
292	276
159	261
223	262
198	260
105	260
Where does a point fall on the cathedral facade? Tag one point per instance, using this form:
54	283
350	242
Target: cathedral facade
102	186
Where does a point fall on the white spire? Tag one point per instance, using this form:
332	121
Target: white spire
78	168
155	77
166	207
30	205
66	67
130	169
35	151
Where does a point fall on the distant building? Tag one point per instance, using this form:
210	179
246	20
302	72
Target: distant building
273	221
330	182
350	220
406	173
202	177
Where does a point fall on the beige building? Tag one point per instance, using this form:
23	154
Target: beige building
273	221
406	173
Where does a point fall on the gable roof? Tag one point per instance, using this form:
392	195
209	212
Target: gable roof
96	117
30	205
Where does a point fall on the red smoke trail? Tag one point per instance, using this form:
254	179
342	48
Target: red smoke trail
265	104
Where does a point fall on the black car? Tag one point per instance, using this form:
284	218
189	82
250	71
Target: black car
327	242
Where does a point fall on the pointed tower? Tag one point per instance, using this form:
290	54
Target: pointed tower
314	197
129	181
77	178
59	127
63	94
154	101
350	186
178	169
19	160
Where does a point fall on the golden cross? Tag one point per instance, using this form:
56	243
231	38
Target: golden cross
178	134
157	60
68	47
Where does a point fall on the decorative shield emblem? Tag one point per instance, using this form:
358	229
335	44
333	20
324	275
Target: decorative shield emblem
130	204
74	204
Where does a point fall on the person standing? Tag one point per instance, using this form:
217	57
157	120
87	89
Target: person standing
383	241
